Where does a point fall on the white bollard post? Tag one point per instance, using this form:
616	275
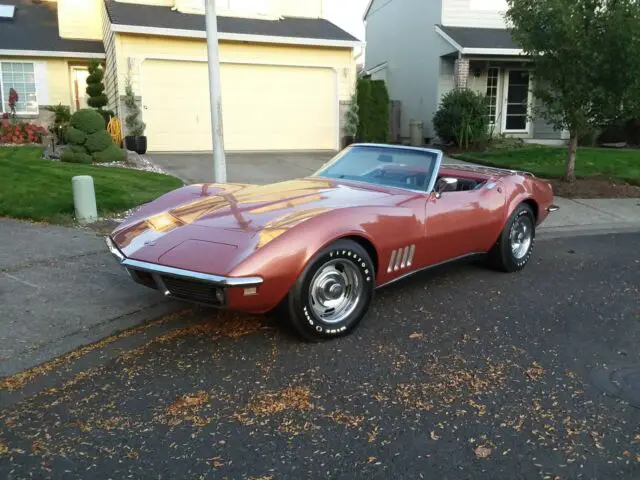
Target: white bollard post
84	199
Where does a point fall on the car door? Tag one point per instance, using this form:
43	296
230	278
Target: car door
462	223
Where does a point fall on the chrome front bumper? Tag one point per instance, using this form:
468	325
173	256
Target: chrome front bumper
553	208
181	284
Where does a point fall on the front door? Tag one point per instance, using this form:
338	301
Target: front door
517	98
464	222
79	87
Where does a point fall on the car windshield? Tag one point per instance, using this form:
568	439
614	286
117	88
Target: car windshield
384	165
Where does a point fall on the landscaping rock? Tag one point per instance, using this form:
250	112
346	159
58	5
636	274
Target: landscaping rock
51	154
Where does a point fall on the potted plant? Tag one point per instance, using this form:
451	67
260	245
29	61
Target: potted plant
351	124
135	139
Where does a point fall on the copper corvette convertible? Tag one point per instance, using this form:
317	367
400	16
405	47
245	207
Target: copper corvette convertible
319	246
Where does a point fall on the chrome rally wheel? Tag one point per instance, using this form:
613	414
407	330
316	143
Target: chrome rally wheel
514	248
333	293
521	236
335	290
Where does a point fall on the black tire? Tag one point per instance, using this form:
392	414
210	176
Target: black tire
300	303
501	257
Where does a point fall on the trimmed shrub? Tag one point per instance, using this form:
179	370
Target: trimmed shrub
96	142
78	148
73	157
95	87
462	118
89	140
373	110
88	120
111	154
75	136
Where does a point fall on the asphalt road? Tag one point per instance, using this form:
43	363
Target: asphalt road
460	373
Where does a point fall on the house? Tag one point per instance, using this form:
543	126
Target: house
424	49
287	74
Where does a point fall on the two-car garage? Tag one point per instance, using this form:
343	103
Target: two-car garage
265	107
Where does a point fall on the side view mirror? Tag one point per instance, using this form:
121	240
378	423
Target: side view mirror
446	184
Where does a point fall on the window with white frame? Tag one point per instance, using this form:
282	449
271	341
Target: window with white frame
21	77
492	93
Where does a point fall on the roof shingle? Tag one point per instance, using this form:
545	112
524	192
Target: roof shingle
468	37
35	27
164	17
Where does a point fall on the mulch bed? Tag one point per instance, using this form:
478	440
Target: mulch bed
595	188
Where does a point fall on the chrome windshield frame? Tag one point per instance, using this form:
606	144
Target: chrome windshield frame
434	174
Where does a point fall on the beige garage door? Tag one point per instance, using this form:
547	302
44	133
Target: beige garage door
264	107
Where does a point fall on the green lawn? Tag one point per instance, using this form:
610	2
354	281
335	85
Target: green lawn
36	189
549	162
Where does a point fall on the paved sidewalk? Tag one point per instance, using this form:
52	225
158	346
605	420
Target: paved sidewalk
60	289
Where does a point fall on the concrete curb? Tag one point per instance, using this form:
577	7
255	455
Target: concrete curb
550	233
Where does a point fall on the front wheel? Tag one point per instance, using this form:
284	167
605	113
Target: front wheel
513	250
333	293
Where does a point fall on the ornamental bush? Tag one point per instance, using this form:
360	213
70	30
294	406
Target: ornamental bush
462	118
110	154
70	156
373	110
96	142
88	120
75	136
135	126
89	140
95	86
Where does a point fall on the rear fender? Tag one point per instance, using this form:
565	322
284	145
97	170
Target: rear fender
531	190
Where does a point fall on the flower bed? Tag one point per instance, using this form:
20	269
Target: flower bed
20	133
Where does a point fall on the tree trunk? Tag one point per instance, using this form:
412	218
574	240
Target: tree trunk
570	171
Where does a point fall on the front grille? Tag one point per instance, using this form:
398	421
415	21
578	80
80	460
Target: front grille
143	278
194	291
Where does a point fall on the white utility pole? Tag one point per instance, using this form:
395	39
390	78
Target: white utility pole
217	134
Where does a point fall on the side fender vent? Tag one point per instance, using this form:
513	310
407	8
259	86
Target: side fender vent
401	258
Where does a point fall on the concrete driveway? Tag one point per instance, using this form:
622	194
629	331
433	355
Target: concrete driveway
256	168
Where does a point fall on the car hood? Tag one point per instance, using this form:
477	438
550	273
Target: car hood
236	220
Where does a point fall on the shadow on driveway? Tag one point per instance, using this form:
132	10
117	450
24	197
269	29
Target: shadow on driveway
253	167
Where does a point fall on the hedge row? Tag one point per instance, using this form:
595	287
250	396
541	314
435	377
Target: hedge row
373	103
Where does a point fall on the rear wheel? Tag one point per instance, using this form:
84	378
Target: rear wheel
333	293
513	250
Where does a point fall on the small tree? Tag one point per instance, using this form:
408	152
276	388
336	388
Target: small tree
585	60
95	87
135	126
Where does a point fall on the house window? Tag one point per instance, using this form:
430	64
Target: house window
21	77
492	93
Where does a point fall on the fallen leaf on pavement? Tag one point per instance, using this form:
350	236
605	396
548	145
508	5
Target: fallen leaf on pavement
435	436
415	336
482	451
372	459
534	371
